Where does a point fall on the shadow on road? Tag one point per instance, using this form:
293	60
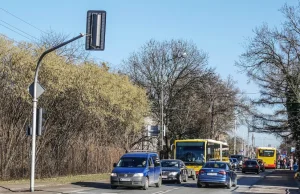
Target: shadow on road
96	185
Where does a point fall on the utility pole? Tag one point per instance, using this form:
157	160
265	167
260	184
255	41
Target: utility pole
252	145
234	143
248	150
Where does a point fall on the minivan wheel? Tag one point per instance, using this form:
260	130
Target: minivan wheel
146	184
158	184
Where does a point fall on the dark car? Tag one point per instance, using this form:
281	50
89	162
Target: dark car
261	164
251	166
136	169
217	173
174	170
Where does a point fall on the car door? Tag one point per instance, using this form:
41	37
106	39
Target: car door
157	167
151	171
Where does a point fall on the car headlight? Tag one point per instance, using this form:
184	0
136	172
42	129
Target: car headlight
138	174
113	174
173	173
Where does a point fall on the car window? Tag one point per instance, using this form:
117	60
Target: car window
132	162
156	160
169	163
150	163
215	165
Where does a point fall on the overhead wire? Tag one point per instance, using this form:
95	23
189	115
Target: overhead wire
22	20
16	32
17	29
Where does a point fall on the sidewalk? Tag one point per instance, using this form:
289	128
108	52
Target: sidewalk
50	188
277	182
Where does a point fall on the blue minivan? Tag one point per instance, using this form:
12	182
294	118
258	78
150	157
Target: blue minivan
137	169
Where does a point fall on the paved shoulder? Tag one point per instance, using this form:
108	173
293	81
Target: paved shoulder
279	181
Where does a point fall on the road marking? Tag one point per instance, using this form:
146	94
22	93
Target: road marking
166	191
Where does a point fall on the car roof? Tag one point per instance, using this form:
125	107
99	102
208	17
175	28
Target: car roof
171	160
217	162
139	154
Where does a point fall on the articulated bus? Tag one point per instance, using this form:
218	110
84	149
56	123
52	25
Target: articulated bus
268	155
195	152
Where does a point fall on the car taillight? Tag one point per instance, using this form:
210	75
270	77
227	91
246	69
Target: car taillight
201	172
256	166
244	166
222	172
274	161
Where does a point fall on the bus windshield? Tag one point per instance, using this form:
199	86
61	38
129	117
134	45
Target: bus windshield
266	153
190	152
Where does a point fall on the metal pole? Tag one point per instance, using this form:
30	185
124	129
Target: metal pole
162	117
34	111
234	143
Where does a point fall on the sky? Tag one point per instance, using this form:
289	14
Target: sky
218	27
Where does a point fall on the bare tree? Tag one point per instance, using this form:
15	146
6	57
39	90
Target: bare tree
272	60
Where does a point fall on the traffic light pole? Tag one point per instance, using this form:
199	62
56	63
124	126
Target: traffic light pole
34	112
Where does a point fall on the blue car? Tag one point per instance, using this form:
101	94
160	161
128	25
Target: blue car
217	173
137	169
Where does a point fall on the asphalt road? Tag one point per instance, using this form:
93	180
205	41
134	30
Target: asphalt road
190	187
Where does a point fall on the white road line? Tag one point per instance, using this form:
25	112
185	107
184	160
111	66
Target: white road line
166	191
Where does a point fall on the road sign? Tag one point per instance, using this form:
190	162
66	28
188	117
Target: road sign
153	130
39	89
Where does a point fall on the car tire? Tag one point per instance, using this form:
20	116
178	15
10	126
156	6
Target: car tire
228	186
206	185
158	184
199	185
243	172
113	187
146	184
179	179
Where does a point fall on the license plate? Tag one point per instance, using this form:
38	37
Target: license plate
125	179
211	174
164	177
249	165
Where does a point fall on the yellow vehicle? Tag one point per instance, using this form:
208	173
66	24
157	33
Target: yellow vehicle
268	155
195	152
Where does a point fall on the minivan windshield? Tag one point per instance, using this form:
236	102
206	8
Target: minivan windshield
132	162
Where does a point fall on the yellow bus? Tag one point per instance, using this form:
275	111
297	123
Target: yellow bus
268	155
195	152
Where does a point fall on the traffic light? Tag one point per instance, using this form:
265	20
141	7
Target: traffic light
39	123
95	30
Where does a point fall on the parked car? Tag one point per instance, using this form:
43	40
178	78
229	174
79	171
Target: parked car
217	173
137	169
234	163
251	166
261	164
174	170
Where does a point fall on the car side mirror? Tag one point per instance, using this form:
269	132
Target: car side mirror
115	165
